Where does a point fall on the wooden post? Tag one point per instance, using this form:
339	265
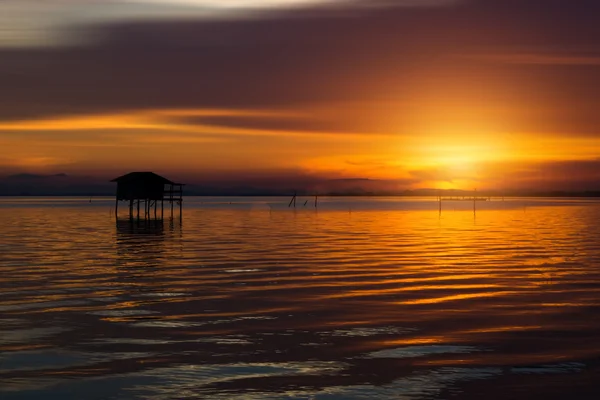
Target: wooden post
138	209
180	203
117	208
155	205
171	198
130	208
162	208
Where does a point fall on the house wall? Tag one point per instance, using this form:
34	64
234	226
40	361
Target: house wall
140	190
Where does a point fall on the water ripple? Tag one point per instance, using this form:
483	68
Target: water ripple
255	300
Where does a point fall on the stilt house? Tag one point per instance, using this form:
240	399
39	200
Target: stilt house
147	188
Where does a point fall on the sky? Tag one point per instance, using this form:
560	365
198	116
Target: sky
451	94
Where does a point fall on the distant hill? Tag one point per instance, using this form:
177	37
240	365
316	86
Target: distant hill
66	185
32	177
53	185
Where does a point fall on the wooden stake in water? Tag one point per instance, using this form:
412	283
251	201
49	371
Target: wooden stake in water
293	200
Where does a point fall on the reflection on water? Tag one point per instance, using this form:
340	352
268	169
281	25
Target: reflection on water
264	302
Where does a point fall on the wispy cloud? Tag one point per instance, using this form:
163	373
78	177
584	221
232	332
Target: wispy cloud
174	120
51	23
534	58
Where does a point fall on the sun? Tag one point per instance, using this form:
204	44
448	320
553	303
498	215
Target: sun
453	166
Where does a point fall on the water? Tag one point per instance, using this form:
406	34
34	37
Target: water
364	298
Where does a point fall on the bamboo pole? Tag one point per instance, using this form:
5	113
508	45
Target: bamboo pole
293	200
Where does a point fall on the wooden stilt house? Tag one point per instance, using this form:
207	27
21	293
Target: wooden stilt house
147	189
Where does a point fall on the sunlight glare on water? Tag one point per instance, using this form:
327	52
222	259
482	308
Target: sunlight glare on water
360	298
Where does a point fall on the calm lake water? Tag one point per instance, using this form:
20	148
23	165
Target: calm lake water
361	299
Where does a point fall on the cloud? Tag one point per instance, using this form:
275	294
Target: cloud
554	175
289	60
542	59
193	125
59	23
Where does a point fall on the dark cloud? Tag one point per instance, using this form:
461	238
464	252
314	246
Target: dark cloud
306	123
287	60
573	175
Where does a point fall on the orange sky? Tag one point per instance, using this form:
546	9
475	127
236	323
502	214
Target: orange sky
441	96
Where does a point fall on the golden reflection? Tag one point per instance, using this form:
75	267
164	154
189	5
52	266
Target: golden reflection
503	329
414	341
456	297
409	289
22	347
230	285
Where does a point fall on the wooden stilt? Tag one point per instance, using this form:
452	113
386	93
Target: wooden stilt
143	187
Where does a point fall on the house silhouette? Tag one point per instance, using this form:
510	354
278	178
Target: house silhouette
147	188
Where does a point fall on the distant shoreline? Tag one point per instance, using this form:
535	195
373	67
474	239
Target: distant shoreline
447	194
